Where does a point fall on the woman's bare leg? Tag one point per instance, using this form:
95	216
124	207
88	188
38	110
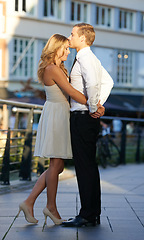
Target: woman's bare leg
37	189
55	168
48	179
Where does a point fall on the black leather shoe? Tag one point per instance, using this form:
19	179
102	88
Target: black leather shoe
78	221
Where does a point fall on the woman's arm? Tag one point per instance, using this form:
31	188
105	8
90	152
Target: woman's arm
52	72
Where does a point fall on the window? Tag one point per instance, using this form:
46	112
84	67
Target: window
44	43
0	62
124	67
2	19
79	11
22	57
126	20
53	8
20	5
140	70
103	16
25	6
142	22
16	5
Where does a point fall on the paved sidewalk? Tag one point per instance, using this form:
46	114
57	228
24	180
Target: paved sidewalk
122	209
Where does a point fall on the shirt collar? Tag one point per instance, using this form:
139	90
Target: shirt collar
82	52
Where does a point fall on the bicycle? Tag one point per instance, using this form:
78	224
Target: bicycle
107	152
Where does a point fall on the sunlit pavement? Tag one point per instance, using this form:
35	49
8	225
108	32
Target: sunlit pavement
122	215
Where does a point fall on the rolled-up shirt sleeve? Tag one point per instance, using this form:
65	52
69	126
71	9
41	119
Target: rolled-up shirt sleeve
91	81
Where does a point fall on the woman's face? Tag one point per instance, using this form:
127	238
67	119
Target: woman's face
63	52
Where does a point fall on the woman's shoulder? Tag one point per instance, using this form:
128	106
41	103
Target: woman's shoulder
51	67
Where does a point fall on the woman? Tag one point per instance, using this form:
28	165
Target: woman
53	135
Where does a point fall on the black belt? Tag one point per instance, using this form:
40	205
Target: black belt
84	112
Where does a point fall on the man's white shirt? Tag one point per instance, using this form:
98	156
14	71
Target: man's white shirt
89	77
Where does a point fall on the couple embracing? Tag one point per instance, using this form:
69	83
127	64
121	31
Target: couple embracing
66	130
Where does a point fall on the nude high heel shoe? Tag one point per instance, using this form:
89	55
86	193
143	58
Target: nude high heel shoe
28	217
47	213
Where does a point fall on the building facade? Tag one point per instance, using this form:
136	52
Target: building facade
25	26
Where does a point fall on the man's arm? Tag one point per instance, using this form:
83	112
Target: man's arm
98	84
106	86
90	70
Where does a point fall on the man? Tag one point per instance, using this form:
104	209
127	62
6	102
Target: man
89	77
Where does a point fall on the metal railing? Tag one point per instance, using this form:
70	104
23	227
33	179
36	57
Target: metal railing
17	145
130	144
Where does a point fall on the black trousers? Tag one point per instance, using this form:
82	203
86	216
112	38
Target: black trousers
84	134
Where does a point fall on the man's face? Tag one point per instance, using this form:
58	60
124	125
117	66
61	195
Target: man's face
74	39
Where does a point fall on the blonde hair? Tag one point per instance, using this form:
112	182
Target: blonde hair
49	53
87	30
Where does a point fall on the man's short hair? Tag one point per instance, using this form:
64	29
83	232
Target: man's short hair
87	30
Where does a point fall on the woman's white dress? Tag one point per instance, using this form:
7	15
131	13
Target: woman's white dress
53	134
